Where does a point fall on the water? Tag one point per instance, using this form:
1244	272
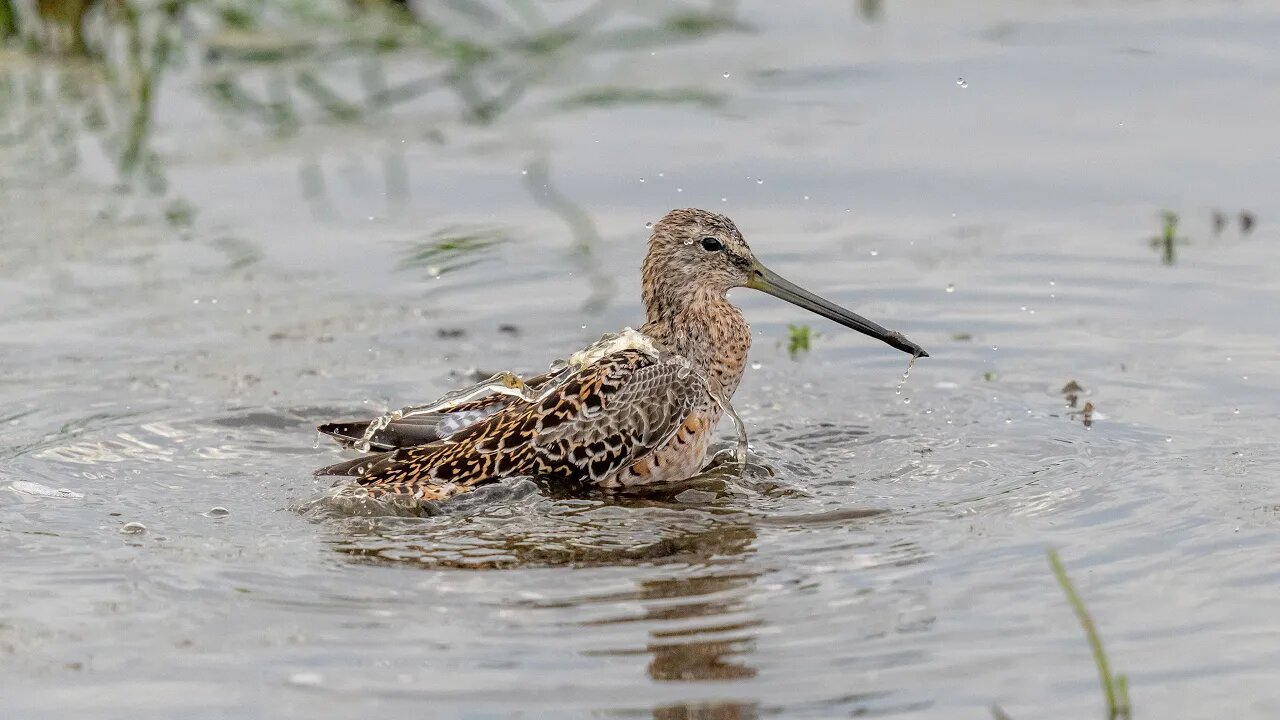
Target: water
875	558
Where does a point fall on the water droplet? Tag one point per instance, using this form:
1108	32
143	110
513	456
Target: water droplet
1236	411
759	181
370	218
584	327
1023	308
806	197
726	74
1008	421
757	365
993	347
217	512
524	172
1168	439
196	301
951	288
662	175
641	179
1244	377
724	199
648	224
133	528
875	253
962	83
1052	283
906	401
434	271
679	189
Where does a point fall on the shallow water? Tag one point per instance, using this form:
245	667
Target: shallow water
168	348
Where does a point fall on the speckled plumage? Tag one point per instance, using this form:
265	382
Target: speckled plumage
633	416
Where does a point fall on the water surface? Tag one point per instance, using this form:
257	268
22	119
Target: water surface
985	177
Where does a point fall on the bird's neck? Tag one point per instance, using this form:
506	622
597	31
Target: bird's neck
704	327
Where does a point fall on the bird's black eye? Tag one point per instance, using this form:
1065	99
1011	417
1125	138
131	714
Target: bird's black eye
711	244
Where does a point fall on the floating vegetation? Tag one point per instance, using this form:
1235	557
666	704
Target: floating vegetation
798	337
1168	240
1071	391
1086	414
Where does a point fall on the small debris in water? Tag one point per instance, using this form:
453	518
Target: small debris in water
1072	392
1247	221
217	511
1086	414
1219	222
133	528
961	82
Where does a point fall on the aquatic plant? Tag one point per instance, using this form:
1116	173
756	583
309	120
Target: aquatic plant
798	339
1115	688
1168	238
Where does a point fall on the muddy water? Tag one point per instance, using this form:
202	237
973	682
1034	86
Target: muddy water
986	178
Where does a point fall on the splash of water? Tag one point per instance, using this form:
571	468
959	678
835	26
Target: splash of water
739	427
905	374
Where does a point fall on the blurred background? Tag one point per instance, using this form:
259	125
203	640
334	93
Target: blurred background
224	221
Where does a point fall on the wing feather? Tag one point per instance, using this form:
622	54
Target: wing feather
598	421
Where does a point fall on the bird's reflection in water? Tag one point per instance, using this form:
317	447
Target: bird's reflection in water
707	711
689	610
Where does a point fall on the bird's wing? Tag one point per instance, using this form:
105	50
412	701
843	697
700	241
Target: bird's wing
423	428
599	420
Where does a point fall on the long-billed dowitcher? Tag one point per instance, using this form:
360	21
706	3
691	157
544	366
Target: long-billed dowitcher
640	407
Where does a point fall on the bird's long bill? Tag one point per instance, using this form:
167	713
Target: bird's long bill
766	280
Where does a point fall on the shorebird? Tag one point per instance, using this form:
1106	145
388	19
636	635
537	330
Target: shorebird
638	407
